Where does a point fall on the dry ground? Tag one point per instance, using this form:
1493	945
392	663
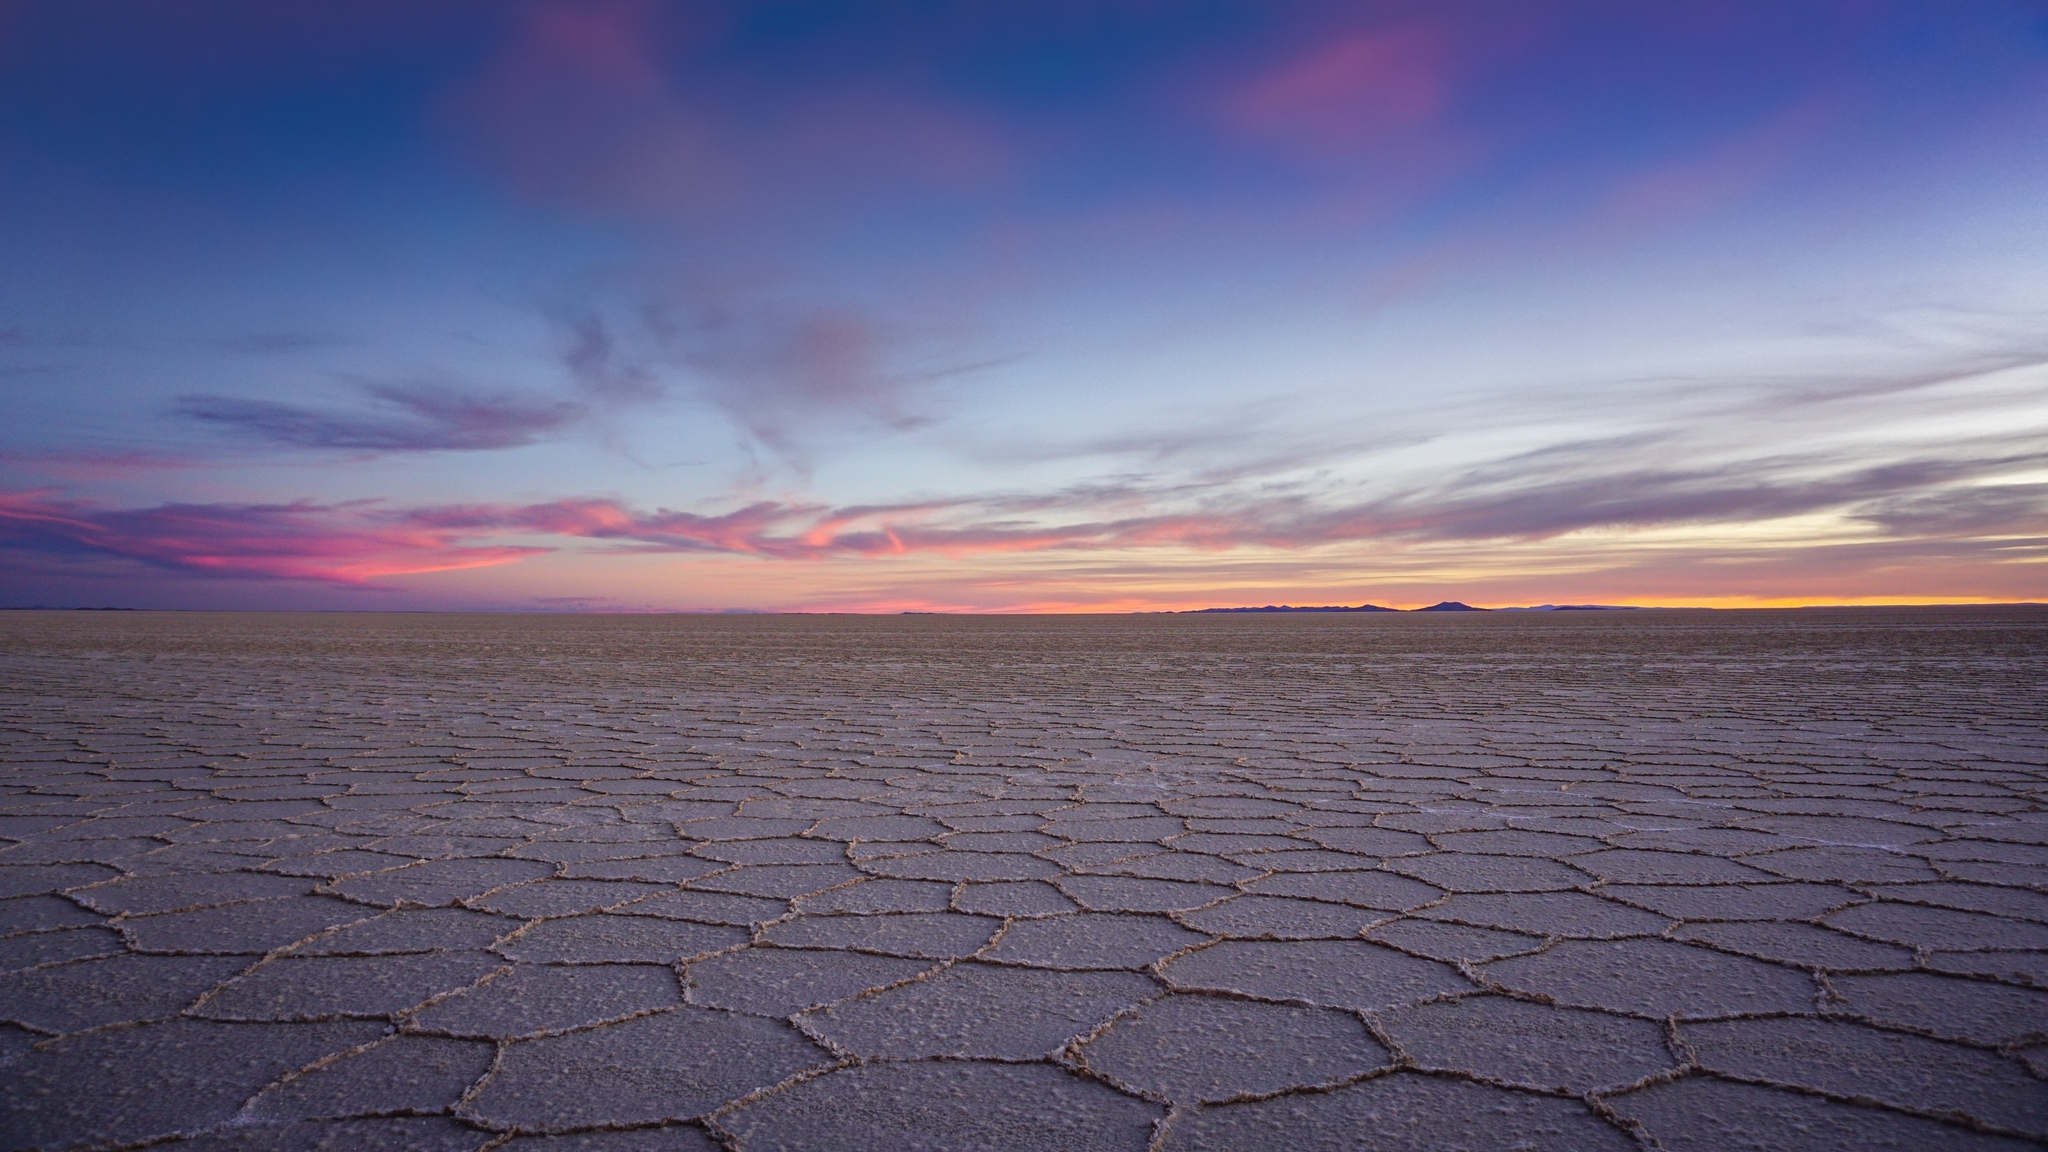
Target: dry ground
1564	881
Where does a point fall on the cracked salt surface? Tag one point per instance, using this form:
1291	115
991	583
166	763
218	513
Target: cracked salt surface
1647	880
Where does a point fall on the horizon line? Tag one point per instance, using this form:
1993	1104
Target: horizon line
1071	610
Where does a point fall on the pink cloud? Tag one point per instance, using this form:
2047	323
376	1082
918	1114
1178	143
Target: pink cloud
1377	100
354	543
348	544
750	530
577	110
1349	94
602	106
1723	173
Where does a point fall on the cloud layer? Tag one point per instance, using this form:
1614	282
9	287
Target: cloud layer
1987	506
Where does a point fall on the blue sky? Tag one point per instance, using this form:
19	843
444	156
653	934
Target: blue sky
629	305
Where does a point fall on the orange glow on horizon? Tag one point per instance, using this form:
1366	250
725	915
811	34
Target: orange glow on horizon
1127	607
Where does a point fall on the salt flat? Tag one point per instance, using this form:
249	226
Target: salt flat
1676	880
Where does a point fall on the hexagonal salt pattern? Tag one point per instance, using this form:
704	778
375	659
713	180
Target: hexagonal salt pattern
1583	881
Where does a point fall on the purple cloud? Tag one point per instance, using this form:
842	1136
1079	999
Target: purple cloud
343	544
408	419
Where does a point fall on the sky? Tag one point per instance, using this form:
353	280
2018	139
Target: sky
1111	305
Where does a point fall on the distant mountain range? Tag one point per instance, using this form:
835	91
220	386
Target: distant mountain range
1445	606
1291	608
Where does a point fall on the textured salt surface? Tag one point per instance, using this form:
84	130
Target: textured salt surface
1659	880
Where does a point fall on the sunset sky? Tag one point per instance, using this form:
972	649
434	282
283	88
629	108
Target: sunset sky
1094	305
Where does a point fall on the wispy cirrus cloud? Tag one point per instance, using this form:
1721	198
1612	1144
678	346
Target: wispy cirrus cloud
601	367
777	373
402	418
786	373
606	374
